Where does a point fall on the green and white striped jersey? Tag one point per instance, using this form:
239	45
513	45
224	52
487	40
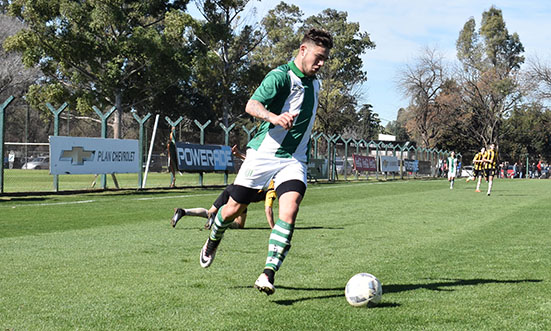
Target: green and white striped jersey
287	89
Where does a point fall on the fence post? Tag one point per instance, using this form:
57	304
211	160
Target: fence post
393	154
141	122
104	118
345	165
401	161
2	111
334	139
357	143
173	135
316	138
56	113
226	142
202	141
378	159
249	132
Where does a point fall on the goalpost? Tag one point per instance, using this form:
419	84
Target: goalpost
21	153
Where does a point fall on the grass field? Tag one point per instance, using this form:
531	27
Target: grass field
448	260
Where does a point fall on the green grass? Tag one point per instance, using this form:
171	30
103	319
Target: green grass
448	260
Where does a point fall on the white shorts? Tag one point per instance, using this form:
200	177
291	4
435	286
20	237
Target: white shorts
259	169
451	174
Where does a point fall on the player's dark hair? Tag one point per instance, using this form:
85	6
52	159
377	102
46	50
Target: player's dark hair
318	37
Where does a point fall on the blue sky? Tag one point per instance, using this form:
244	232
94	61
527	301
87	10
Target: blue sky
401	29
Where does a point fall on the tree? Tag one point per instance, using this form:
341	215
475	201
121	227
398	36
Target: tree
14	77
368	124
398	127
342	75
538	78
99	53
225	76
527	132
491	59
424	83
281	36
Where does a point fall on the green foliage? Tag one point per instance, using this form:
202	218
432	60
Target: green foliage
491	58
527	132
152	56
112	261
281	35
398	127
368	123
97	51
342	74
222	72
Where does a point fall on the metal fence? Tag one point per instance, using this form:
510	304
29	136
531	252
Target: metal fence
25	166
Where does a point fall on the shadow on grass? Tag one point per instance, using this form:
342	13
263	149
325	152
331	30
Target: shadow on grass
263	228
434	286
34	199
298	228
452	282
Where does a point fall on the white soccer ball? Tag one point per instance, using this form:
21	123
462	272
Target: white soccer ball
363	289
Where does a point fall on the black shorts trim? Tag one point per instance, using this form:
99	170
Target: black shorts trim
291	186
246	195
489	172
223	197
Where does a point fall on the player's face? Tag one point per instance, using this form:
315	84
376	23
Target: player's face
313	58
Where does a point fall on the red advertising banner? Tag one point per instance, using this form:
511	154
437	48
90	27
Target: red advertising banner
364	163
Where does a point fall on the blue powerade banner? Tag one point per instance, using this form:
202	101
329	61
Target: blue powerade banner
204	158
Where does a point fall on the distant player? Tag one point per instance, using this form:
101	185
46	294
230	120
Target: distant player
172	158
452	169
267	196
478	166
490	161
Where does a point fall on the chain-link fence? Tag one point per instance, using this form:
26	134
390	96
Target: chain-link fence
26	164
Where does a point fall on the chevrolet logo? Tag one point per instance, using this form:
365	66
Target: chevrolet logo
77	155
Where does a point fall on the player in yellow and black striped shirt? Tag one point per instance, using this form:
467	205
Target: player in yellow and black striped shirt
490	161
478	166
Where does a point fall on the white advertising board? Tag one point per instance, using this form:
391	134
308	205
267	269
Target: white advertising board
389	164
79	155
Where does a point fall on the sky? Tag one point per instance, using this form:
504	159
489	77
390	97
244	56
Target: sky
401	29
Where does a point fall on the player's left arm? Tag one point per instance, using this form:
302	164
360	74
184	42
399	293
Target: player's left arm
268	207
237	153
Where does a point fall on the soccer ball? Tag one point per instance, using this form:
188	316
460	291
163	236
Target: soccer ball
363	289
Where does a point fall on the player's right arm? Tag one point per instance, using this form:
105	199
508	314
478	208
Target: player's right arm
256	108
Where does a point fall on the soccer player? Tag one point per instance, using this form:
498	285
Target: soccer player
268	196
286	101
490	160
172	158
478	166
452	168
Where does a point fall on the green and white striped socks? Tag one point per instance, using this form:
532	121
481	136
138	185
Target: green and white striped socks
279	244
219	226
